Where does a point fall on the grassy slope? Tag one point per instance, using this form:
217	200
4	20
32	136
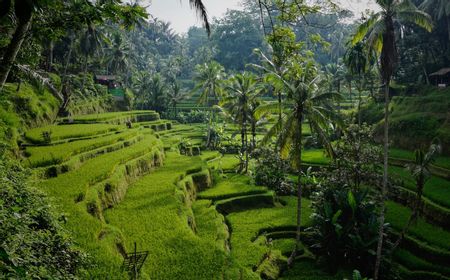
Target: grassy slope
29	107
61	132
436	189
86	228
149	216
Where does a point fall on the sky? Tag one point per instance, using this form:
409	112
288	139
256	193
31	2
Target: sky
181	17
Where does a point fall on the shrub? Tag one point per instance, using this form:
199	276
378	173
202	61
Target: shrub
193	116
271	171
345	227
32	242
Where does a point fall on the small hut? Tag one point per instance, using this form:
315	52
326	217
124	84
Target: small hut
441	78
114	87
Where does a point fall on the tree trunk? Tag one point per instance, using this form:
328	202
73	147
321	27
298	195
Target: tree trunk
208	136
85	73
253	134
298	146
13	49
385	181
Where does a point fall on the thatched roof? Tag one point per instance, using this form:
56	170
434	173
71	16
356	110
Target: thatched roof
105	77
442	72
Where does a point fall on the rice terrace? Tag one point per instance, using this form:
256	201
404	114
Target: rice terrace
232	140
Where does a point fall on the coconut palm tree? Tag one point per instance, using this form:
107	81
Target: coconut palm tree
358	63
208	78
305	100
242	94
378	33
117	54
175	95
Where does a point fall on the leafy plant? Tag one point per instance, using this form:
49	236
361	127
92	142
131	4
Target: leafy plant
32	241
271	171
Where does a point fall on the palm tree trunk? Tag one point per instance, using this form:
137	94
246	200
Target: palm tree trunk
13	49
359	105
246	148
85	73
298	147
208	137
253	134
385	181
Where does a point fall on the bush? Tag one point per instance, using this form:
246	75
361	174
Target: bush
345	227
271	171
32	242
194	116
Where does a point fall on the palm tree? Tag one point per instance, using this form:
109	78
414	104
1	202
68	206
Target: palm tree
175	96
157	93
117	55
358	63
337	73
208	78
438	9
305	100
242	93
378	31
90	43
420	170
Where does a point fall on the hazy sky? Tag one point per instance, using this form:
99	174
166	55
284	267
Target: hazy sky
182	17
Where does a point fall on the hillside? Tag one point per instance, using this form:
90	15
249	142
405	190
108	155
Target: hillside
418	115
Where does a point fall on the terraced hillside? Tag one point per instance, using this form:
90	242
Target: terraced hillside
116	186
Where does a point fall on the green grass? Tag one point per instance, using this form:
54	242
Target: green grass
149	216
247	225
230	186
117	117
441	161
55	154
84	227
436	189
61	132
413	263
398	215
307	269
315	156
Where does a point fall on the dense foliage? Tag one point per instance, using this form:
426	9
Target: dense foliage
33	243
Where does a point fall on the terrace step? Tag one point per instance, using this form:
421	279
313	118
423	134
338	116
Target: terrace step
246	202
39	156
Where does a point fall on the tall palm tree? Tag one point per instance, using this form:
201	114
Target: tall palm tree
242	94
209	79
358	63
91	42
117	54
175	95
336	71
378	33
305	100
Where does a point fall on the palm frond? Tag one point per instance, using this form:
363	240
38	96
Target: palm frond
365	28
201	11
416	16
268	108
